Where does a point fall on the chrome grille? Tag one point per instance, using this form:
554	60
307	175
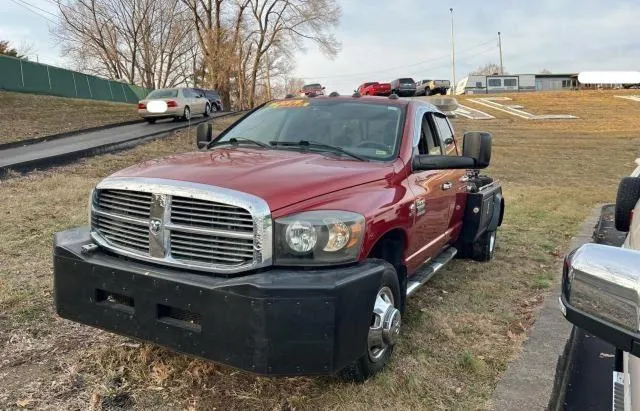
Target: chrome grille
129	203
123	234
209	214
211	248
182	224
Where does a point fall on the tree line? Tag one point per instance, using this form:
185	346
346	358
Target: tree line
242	48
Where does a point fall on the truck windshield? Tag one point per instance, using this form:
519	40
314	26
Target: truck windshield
369	130
406	81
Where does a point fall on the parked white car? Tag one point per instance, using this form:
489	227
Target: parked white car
178	103
601	293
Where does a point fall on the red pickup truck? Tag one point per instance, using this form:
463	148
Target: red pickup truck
289	243
374	89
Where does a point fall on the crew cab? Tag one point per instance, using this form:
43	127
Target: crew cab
374	88
289	243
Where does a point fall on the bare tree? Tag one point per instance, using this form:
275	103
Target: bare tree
488	70
139	41
292	22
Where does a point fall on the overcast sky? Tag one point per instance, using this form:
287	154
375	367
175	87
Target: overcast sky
382	40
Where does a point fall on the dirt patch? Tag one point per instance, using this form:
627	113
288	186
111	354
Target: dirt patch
461	330
24	116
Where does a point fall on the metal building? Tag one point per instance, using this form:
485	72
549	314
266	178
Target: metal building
546	82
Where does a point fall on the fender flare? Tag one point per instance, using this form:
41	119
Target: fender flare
498	212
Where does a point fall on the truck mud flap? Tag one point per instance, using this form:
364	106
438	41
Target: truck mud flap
483	213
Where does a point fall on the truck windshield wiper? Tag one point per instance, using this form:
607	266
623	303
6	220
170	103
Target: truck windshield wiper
311	144
237	140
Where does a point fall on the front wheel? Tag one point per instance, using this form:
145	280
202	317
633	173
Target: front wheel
383	330
207	110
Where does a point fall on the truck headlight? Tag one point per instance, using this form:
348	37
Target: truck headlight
322	237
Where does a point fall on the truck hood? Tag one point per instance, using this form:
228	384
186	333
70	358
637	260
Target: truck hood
280	177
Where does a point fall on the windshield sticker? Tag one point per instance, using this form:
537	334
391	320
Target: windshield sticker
288	103
381	153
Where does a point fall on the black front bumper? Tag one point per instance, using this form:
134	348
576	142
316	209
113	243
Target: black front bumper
277	322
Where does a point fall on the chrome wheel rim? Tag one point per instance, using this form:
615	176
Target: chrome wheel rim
385	324
207	110
187	113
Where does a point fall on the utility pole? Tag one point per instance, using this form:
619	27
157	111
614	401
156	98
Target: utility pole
453	56
500	47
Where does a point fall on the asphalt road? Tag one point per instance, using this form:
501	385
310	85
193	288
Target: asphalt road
591	374
51	152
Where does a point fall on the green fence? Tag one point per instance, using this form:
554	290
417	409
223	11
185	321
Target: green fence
30	77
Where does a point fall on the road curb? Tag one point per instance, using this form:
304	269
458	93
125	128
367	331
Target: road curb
36	140
536	380
68	157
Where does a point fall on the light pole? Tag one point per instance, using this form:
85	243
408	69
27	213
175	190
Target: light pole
500	47
453	56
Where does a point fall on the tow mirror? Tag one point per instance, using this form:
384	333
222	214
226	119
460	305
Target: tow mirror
600	294
476	154
477	145
204	134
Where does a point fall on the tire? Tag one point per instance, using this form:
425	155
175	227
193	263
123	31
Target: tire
150	120
375	359
626	200
443	92
207	110
214	108
186	116
484	248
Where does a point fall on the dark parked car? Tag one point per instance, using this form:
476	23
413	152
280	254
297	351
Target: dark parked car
213	97
404	87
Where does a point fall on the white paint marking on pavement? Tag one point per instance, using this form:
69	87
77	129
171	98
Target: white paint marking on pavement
634	98
515	110
472	113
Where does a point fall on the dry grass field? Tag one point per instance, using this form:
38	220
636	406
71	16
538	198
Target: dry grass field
461	330
24	116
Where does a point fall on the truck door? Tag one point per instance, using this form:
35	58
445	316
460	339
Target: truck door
434	196
456	179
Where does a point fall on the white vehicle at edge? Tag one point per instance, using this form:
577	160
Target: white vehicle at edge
601	294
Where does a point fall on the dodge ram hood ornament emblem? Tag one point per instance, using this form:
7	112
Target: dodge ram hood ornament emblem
154	225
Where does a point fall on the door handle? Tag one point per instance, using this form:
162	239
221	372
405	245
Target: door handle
447	186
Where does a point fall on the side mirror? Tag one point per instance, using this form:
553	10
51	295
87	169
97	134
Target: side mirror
323	87
477	145
600	294
204	134
476	153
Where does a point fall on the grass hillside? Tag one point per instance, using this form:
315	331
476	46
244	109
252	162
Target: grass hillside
24	116
459	333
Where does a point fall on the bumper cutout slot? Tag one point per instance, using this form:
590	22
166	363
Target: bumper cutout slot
177	317
114	300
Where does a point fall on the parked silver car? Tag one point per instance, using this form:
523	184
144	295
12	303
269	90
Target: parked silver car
601	294
178	103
